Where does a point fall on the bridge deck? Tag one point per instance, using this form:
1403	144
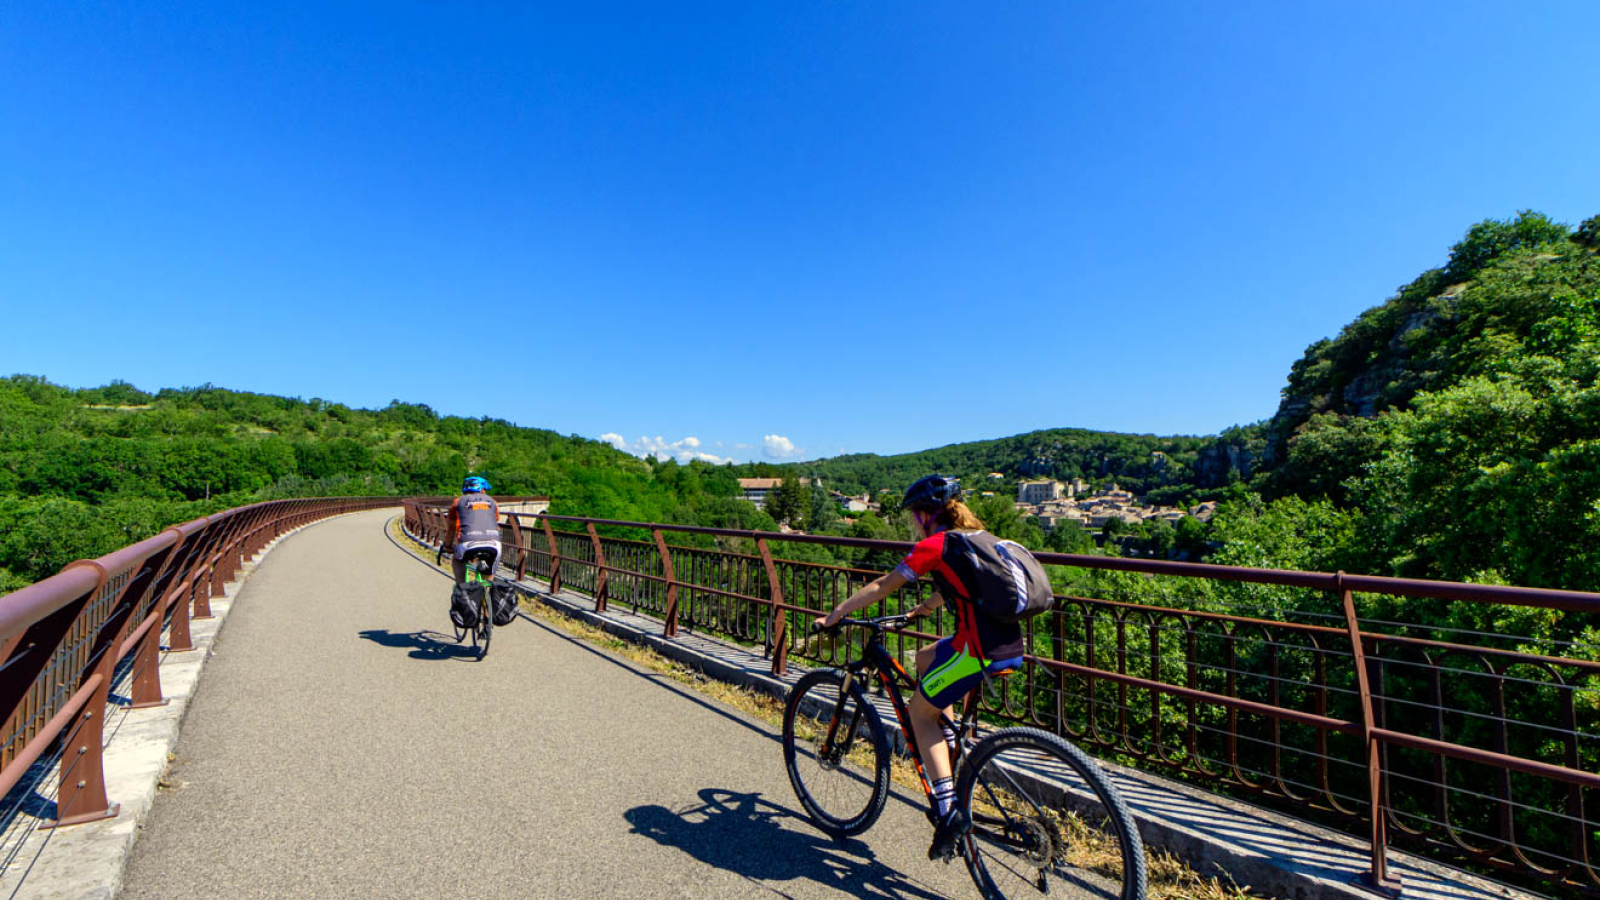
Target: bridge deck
340	746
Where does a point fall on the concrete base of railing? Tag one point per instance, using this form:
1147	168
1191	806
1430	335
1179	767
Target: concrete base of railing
86	862
1271	854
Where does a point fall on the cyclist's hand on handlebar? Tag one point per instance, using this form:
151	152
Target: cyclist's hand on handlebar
920	610
821	623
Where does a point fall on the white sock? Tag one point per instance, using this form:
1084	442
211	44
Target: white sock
944	794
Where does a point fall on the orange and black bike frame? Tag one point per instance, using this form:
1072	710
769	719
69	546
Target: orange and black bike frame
895	680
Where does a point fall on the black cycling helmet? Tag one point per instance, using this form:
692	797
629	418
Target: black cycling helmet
931	492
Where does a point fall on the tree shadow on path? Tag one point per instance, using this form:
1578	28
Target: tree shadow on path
744	834
430	645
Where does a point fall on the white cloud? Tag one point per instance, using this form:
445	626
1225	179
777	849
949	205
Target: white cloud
776	446
683	451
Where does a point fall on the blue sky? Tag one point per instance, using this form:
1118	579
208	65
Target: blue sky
774	230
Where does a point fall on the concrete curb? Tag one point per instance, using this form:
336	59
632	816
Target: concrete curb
86	862
1268	853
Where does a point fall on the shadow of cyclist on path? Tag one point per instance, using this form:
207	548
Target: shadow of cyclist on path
744	834
424	644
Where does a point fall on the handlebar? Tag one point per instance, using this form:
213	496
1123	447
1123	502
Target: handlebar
876	626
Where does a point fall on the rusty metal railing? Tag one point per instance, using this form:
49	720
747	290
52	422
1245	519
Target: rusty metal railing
1412	733
66	638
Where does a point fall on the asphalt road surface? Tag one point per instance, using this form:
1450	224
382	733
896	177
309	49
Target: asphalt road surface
340	745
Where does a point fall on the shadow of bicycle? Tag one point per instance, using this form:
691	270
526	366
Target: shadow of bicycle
429	645
744	834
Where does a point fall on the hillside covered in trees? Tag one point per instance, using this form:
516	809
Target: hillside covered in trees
1165	468
1450	432
1456	427
86	471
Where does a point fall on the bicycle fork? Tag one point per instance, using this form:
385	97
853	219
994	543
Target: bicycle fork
835	748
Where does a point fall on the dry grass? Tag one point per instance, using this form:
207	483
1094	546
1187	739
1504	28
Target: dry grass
1083	846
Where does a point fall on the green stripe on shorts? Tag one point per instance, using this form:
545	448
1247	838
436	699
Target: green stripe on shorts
954	669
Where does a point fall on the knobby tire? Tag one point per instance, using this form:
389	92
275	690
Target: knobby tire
842	798
1092	814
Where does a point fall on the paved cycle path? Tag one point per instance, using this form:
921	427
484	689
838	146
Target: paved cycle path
340	746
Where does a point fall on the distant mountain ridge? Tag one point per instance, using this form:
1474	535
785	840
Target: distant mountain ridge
1170	466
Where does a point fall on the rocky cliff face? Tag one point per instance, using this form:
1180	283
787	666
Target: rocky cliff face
1373	364
1232	458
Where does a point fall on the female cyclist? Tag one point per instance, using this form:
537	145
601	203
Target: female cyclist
950	668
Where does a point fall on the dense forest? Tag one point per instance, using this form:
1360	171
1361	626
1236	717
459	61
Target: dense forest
83	472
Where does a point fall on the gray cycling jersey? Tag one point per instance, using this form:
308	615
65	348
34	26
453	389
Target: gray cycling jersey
478	518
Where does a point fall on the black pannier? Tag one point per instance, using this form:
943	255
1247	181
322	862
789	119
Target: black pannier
503	600
464	605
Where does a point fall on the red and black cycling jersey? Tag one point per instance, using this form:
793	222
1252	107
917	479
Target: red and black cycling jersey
978	634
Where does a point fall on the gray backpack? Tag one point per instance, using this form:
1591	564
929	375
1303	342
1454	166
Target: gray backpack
1006	581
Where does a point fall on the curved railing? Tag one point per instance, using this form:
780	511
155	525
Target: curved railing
1469	751
67	637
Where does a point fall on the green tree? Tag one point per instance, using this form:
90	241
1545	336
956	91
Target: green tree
1490	239
788	502
1161	538
821	511
1069	537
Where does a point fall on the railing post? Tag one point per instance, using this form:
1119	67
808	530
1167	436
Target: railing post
146	692
202	594
178	639
671	628
82	793
775	627
522	551
1378	877
600	569
555	558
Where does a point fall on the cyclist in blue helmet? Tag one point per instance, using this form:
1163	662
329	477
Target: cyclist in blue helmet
950	668
474	525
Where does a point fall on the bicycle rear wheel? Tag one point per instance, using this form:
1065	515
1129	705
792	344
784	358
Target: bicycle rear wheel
842	783
485	626
1047	819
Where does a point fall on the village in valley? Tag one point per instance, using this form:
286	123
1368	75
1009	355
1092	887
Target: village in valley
1048	503
1052	503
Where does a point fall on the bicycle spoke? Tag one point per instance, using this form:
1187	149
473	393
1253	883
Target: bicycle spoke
1047	821
843	785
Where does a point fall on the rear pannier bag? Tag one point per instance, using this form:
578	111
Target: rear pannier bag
464	605
1010	584
503	600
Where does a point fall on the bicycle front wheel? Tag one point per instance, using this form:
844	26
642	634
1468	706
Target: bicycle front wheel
837	753
1046	818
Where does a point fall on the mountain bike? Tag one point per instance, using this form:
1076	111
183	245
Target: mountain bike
479	571
1044	815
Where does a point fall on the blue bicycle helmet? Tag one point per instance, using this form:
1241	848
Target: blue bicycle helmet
931	492
475	484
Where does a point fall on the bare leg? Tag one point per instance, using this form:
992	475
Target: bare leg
925	724
930	740
460	568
